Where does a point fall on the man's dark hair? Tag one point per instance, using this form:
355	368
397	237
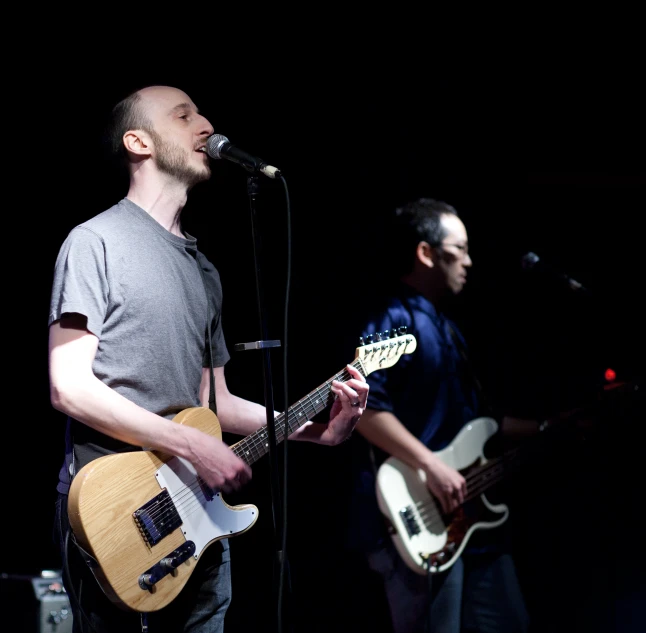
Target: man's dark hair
126	115
414	222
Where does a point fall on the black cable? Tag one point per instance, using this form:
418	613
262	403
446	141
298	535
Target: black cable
283	560
69	586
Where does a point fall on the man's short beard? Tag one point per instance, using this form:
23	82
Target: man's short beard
171	159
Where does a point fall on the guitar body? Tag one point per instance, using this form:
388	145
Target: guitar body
168	539
427	540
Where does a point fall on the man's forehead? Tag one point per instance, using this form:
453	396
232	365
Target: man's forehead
165	100
454	225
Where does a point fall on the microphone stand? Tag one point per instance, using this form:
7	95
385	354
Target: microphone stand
264	344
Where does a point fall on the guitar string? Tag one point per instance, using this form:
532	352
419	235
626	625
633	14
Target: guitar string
191	497
487	475
187	498
195	502
478	480
251	444
482	479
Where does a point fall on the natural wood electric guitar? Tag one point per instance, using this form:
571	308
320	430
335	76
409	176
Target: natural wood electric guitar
428	540
146	517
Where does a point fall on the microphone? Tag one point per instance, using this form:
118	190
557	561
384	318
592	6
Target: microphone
531	261
218	146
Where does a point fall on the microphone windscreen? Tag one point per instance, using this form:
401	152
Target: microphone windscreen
529	260
214	145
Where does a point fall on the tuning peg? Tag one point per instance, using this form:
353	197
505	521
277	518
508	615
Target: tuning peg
402	330
370	338
361	341
386	334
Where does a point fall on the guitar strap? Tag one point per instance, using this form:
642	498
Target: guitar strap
212	404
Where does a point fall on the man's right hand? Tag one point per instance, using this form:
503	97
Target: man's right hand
446	483
217	464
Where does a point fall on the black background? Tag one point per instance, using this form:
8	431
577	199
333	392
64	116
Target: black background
538	153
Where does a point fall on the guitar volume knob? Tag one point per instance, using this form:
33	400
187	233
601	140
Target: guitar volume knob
146	581
170	562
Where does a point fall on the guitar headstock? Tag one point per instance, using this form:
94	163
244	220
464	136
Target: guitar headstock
384	349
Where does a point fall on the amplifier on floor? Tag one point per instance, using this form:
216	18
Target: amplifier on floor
36	604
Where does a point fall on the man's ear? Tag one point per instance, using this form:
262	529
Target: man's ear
425	254
137	142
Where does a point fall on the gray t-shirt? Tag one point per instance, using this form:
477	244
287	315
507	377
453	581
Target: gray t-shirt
141	290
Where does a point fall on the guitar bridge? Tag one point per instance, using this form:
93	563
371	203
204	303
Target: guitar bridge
157	518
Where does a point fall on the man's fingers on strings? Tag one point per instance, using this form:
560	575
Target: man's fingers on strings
343	391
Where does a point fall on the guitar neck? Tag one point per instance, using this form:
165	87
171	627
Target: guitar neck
494	470
498	468
254	446
484	477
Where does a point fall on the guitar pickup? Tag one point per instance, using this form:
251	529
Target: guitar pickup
166	565
157	518
409	520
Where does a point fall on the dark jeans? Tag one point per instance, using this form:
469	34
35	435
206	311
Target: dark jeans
199	608
479	592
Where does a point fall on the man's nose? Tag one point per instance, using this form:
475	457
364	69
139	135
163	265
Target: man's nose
206	128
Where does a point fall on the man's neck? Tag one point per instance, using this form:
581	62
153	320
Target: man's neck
434	294
162	199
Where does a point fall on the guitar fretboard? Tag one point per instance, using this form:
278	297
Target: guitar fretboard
498	468
254	446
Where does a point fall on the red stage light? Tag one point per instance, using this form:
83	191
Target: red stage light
610	375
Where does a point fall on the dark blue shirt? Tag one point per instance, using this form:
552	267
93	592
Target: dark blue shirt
431	391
